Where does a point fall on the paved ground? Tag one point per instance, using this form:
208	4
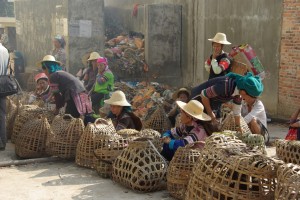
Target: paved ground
65	180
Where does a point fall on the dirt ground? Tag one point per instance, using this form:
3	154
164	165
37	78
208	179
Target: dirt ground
63	180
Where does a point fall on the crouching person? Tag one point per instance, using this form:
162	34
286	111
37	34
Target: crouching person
195	126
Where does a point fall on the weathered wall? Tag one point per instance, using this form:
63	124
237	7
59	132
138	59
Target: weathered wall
81	22
34	28
89	16
243	21
289	74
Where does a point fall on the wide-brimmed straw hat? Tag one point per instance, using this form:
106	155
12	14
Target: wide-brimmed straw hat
220	38
49	58
117	98
181	90
94	56
195	109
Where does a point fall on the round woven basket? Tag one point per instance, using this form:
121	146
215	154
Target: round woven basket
86	144
157	119
180	169
288	151
232	173
130	134
140	167
103	168
154	136
31	142
66	132
288	178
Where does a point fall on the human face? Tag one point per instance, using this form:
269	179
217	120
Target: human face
246	97
217	49
56	44
94	63
183	97
116	110
101	67
185	118
42	84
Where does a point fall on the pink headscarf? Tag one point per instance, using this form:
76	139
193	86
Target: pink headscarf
102	60
40	76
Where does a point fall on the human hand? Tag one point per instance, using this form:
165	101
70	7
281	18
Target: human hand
295	125
166	140
55	111
207	67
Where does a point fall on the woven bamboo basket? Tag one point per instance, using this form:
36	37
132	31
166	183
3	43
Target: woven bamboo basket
157	119
180	169
130	134
103	168
31	142
153	135
288	182
24	113
140	167
66	132
233	174
85	146
11	109
252	140
288	151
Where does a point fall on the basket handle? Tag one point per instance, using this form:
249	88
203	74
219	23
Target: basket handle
67	117
101	121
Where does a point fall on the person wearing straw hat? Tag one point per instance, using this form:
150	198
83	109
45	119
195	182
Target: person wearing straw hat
195	127
92	71
59	52
66	89
104	84
214	92
218	64
121	113
182	94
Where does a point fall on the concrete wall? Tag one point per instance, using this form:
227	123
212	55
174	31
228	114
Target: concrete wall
34	28
289	76
81	22
257	22
89	16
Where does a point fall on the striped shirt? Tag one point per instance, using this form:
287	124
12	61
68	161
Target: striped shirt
4	56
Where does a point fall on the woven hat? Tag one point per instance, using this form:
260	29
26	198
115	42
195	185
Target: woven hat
40	76
117	98
184	90
195	109
220	38
49	58
94	56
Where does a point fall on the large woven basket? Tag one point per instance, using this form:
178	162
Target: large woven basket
252	140
85	147
31	142
154	136
288	187
11	109
288	151
180	169
130	134
157	119
66	132
103	168
233	174
140	167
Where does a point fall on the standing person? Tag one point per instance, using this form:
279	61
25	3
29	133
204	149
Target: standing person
92	71
104	84
218	64
4	56
66	88
216	91
59	52
195	127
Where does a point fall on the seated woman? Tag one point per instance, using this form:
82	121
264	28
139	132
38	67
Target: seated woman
294	129
254	113
195	126
103	86
42	90
121	114
181	95
66	89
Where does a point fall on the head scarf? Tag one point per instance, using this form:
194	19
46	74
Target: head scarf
251	84
61	40
51	66
40	76
102	60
